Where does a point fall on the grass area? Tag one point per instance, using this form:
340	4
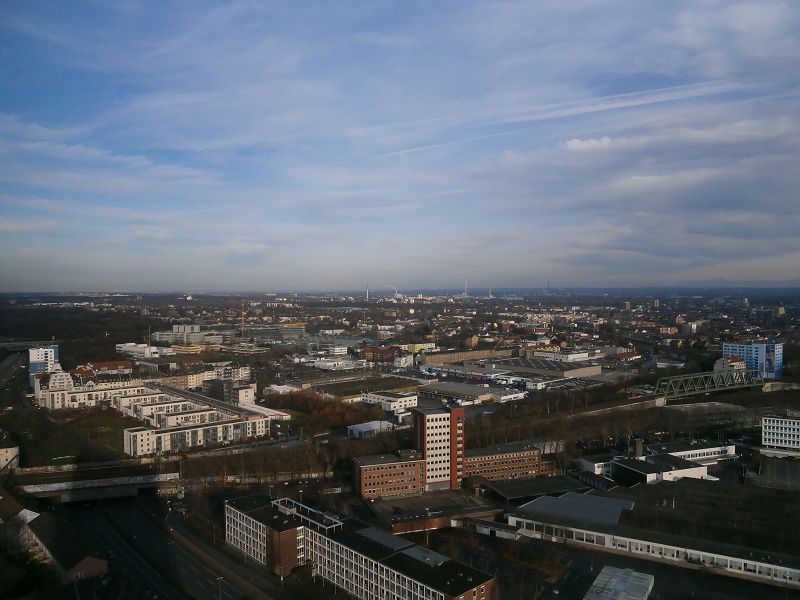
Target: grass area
373	384
91	436
101	429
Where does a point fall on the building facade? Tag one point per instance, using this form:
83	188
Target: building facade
766	357
389	475
781	430
41	360
516	460
365	562
439	435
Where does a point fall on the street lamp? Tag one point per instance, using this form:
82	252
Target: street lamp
219	583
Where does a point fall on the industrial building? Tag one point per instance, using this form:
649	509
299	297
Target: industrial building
369	429
465	394
549	368
611	524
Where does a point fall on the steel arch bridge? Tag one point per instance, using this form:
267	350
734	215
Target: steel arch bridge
710	381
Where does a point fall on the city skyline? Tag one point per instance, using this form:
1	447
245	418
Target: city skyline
243	147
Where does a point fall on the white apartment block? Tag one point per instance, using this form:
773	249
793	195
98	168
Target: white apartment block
61	392
44	356
178	420
143	441
150	411
781	431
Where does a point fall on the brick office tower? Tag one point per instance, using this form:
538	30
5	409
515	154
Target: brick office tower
439	435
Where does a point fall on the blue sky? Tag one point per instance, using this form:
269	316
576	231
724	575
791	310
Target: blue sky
313	145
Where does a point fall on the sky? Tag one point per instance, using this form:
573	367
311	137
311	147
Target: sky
244	145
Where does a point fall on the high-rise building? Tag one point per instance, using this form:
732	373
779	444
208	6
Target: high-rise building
439	434
42	360
766	357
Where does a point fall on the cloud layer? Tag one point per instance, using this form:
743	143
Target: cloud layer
324	145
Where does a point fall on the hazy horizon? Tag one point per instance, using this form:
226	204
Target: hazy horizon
240	146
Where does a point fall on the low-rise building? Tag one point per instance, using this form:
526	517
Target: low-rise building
620	584
655	468
514	460
781	430
389	475
369	429
699	451
396	403
364	562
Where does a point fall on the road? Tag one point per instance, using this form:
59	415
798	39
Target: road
126	560
196	579
9	367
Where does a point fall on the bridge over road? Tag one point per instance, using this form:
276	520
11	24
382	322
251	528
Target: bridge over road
94	483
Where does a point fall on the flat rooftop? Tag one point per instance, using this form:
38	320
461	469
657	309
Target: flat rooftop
591	509
460	389
395	395
422	564
543	363
513	489
381	459
670	447
508	448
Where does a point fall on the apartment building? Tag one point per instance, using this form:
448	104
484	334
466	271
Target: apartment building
781	430
179	420
145	441
58	390
365	562
42	360
766	357
439	435
389	475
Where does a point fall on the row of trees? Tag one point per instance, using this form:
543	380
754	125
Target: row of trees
319	414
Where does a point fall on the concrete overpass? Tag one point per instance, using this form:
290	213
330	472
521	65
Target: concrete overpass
93	483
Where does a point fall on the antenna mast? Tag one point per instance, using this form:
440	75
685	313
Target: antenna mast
242	318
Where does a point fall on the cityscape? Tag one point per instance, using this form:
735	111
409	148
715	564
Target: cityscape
399	301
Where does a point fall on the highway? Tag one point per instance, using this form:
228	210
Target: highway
126	560
195	578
